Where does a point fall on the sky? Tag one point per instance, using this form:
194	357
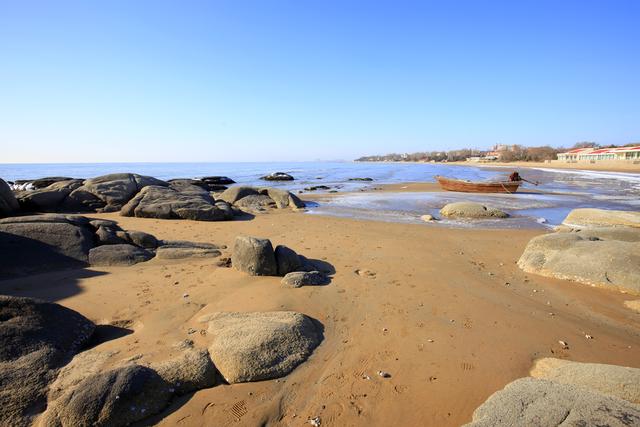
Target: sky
159	81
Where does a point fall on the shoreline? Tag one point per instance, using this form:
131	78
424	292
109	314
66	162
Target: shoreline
565	166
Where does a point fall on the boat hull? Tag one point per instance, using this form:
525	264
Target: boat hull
461	186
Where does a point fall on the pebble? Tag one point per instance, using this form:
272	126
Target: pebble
315	422
185	295
384	374
564	344
587	336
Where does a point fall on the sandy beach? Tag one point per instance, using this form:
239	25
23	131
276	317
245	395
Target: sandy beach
446	312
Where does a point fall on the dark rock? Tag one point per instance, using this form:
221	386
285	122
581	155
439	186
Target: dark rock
51	242
361	179
283	198
202	184
50	198
277	176
217	180
39	183
142	239
8	204
107	236
297	279
81	200
193	370
287	260
317	187
165	252
117	397
36	339
117	189
256	202
254	256
123	254
188	244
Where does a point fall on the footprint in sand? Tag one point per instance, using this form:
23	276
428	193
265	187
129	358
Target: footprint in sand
238	410
466	366
366	273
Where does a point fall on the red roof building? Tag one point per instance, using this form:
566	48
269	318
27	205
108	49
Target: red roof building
595	154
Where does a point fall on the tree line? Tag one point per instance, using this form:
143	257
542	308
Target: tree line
513	153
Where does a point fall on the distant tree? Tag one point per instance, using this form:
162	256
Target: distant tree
585	144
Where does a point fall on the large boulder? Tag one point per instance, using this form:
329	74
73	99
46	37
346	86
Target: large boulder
259	346
117	397
277	176
618	381
8	203
182	201
217	180
470	210
255	202
593	261
538	402
118	188
233	194
118	254
283	198
254	256
41	242
36	339
585	217
36	184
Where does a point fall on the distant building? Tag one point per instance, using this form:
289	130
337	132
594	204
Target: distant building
601	154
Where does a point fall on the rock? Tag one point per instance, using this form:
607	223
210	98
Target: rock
117	397
97	223
255	203
83	365
165	252
191	371
8	204
142	239
470	210
188	244
48	199
606	263
182	202
81	200
259	346
39	183
40	243
234	194
254	256
537	402
361	179
618	381
107	236
122	254
428	218
287	260
36	338
283	198
317	187
118	188
602	217
217	180
277	176
298	279
622	233
204	185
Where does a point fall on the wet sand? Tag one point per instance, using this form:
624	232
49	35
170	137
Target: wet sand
609	167
445	311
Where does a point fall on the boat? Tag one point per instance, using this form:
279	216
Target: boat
464	186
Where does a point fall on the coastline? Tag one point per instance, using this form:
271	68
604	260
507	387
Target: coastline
624	168
445	311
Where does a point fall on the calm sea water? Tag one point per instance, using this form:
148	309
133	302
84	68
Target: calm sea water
563	189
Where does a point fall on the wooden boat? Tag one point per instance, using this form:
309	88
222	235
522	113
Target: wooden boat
450	184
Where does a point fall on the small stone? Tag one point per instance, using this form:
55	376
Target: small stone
315	422
587	336
384	374
564	344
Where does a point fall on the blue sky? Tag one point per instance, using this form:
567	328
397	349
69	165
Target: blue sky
304	80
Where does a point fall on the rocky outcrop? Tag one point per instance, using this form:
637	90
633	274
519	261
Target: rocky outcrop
618	381
118	254
254	256
8	203
298	279
37	243
538	402
591	260
48	199
182	201
277	176
117	189
579	218
261	198
36	184
259	346
470	210
36	339
193	370
361	179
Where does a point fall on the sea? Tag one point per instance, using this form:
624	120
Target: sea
545	205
